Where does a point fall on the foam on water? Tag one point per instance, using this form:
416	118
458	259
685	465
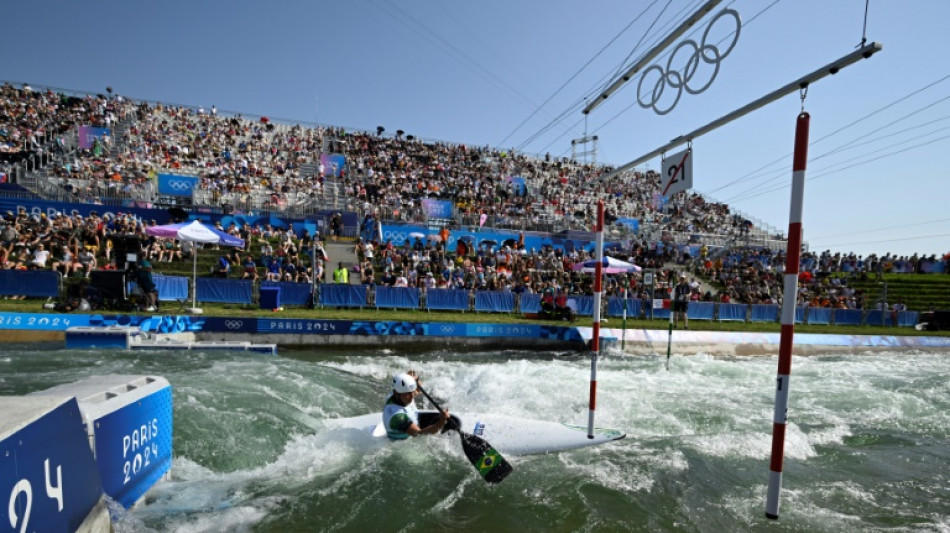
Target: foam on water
253	451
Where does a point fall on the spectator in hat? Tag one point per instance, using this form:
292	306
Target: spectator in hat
223	267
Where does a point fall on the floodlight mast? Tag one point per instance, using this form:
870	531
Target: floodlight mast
655	51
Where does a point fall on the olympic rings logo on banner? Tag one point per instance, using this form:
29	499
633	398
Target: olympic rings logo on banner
705	52
395	235
448	329
180	185
233	324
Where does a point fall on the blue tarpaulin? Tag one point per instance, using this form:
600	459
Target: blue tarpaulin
171	288
615	307
529	303
494	301
33	283
764	313
226	291
585	304
732	312
907	319
342	295
875	318
290	293
701	310
819	315
848	317
397	297
447	299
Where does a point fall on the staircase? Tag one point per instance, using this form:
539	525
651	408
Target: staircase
333	195
342	252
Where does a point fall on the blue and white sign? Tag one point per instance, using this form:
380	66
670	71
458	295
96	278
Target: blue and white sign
437	208
134	446
48	478
173	185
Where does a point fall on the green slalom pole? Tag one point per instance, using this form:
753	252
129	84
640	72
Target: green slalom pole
669	341
623	336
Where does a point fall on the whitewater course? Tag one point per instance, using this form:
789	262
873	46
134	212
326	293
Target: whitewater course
171	429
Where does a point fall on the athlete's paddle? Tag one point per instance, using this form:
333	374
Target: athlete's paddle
489	463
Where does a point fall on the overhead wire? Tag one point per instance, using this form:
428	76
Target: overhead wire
849	167
634	103
599	87
753	174
421	30
776	174
569	80
878	241
580	101
892	226
683	14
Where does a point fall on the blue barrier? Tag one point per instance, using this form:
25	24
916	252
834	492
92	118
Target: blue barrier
875	317
659	314
342	295
397	297
848	317
615	307
447	299
732	312
819	315
585	304
529	303
908	319
799	314
227	291
494	301
32	283
701	311
171	288
764	313
291	293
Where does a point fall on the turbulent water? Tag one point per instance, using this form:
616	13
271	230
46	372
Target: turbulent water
867	447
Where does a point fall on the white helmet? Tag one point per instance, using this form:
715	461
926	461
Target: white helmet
403	383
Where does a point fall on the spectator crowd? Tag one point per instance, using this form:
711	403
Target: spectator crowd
257	163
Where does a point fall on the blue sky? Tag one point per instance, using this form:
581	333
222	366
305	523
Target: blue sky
472	72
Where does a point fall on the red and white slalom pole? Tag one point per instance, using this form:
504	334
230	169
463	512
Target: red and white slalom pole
780	415
595	338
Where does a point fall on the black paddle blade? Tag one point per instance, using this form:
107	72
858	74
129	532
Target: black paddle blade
489	463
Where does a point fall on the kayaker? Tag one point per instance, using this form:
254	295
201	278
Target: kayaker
400	416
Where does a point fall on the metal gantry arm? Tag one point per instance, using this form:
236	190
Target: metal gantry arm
832	68
655	51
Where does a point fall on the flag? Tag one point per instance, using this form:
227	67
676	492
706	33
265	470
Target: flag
661	304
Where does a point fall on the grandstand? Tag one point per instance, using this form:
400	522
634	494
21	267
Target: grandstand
68	149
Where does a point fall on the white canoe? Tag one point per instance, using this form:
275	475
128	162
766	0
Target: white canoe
507	434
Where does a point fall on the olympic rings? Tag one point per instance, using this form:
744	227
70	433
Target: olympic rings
181	185
234	324
707	53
